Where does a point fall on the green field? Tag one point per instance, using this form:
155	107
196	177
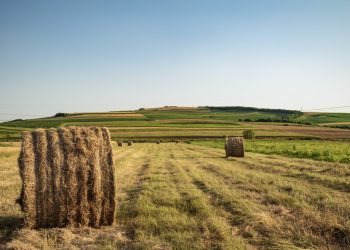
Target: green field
320	118
182	196
332	151
169	123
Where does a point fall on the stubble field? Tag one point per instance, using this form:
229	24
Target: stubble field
181	196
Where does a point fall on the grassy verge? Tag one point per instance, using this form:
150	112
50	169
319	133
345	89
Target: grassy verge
331	151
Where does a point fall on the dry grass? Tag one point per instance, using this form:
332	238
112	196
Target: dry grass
173	108
335	123
181	196
319	131
63	238
104	115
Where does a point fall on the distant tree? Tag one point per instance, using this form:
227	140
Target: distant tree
249	134
61	115
248	120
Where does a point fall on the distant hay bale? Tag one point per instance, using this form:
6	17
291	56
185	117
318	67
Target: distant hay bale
234	146
67	177
129	143
158	142
120	143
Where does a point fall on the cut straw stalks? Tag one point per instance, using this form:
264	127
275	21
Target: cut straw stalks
67	177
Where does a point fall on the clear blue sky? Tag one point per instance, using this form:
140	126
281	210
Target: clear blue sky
64	56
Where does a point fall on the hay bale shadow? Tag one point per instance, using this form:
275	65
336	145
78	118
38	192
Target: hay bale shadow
8	225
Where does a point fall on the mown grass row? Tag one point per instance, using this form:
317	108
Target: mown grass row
181	196
272	210
167	211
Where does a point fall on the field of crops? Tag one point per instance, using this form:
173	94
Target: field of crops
191	123
184	196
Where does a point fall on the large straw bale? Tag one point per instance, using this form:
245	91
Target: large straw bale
234	146
67	177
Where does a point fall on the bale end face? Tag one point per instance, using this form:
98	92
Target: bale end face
67	177
234	146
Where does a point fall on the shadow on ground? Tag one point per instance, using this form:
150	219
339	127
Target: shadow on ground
8	225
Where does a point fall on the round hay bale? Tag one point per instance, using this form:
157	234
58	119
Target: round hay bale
234	146
158	142
129	143
67	177
120	143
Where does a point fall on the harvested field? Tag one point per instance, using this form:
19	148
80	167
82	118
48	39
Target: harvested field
190	197
102	115
335	123
319	131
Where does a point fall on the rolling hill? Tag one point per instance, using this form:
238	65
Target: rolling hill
172	122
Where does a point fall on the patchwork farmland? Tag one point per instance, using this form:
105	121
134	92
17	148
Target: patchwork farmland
290	191
169	123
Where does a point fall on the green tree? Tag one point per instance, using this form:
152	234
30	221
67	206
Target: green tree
249	134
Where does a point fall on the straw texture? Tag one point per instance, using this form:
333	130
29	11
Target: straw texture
67	177
234	146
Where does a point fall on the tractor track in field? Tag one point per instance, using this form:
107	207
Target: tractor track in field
234	215
139	162
176	169
127	209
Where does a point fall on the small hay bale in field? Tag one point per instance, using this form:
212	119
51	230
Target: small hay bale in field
158	142
129	143
234	146
120	143
67	177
